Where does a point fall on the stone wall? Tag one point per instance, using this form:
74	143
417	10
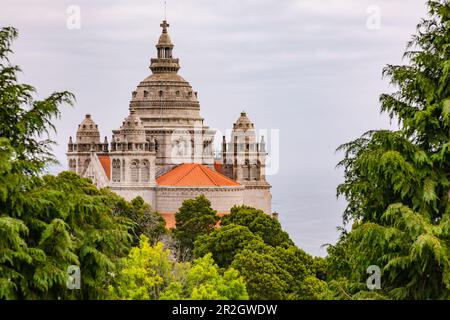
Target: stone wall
147	193
259	198
170	199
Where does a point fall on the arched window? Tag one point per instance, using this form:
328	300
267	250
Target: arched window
254	172
246	170
73	165
145	171
135	171
116	170
258	169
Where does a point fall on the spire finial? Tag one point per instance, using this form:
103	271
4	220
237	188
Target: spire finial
165	10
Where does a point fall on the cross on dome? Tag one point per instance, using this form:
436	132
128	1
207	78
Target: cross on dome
164	25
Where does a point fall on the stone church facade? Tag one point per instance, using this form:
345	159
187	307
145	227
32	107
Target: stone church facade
163	151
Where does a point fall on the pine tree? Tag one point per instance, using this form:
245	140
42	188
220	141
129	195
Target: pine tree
48	223
397	182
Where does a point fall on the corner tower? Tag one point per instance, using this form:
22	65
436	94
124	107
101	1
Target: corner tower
244	160
132	161
87	142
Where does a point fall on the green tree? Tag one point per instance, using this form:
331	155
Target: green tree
224	243
146	221
47	223
397	182
412	250
261	224
205	281
22	118
278	273
194	218
272	267
62	221
149	273
144	273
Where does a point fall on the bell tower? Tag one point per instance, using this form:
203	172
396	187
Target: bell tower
244	157
244	160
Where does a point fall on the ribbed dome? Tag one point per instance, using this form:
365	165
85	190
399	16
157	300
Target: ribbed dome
88	131
164	87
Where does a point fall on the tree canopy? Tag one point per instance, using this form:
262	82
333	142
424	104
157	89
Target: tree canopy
149	272
47	223
258	222
194	218
397	182
253	243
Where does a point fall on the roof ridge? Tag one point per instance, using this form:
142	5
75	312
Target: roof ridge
208	175
188	172
223	176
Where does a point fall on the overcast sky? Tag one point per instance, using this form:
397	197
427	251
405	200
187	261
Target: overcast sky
311	69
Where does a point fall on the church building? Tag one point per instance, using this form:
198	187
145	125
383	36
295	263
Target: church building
163	151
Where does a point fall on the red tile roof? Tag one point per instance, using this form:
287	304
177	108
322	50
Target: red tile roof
194	174
218	166
171	222
106	164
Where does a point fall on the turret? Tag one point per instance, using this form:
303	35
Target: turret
132	155
243	156
87	141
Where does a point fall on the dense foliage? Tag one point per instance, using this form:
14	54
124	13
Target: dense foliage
149	273
47	223
194	218
397	182
253	243
258	223
145	220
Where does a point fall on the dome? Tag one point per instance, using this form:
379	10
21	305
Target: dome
88	131
132	129
164	87
132	122
164	40
243	122
164	98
